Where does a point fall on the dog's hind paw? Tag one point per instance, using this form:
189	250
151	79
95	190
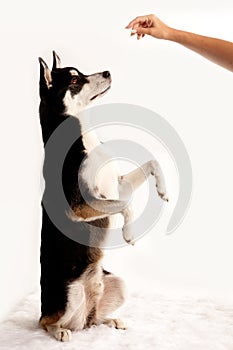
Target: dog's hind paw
115	322
63	335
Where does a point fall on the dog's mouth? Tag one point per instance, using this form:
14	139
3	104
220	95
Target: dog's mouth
100	94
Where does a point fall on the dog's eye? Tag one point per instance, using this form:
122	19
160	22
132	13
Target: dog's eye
74	80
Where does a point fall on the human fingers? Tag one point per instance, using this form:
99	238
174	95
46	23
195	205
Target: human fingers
138	20
142	31
134	29
146	24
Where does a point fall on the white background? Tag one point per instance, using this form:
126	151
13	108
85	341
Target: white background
194	95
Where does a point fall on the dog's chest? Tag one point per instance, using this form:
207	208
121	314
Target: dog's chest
98	170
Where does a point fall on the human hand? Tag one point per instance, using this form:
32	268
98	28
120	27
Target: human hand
150	25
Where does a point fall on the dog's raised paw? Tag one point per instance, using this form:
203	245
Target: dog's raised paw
63	335
127	235
130	242
163	196
162	191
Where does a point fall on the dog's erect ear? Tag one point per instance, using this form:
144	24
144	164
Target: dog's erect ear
45	77
56	61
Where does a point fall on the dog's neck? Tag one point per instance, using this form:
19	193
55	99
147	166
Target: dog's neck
89	136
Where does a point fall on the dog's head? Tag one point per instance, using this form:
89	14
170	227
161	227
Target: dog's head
67	90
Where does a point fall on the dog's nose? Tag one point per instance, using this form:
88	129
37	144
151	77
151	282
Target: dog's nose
106	74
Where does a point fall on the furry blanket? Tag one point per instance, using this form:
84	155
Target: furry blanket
154	322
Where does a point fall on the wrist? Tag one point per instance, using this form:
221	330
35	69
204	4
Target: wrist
169	34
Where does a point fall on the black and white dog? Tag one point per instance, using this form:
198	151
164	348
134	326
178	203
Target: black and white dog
76	292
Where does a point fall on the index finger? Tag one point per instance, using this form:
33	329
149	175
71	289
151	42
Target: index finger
137	20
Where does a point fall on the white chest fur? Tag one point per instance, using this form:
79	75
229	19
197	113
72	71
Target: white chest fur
98	170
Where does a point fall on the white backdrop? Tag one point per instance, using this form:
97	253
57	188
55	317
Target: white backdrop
194	95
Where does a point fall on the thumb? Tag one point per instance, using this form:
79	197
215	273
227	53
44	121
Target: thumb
141	30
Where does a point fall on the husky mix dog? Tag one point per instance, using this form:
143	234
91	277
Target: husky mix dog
76	292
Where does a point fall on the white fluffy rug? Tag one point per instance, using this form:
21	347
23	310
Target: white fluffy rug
154	322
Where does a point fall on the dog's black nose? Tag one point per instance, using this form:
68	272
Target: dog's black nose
106	74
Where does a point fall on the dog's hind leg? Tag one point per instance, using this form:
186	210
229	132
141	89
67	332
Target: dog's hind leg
114	296
52	325
60	324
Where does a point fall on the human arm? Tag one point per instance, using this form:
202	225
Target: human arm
216	50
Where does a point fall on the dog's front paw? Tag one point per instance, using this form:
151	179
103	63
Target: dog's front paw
163	196
162	192
127	235
130	241
115	322
63	334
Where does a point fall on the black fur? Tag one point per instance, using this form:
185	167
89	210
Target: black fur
62	259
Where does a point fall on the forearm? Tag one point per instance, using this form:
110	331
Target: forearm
216	50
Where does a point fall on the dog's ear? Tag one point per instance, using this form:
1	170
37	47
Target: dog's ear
45	77
56	61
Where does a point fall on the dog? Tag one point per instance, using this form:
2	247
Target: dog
76	292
